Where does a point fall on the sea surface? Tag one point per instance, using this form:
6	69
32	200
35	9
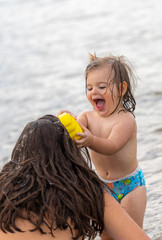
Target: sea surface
44	48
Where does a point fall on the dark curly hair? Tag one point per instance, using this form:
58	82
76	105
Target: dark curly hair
123	71
48	180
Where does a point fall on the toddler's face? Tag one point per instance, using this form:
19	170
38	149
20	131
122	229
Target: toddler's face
101	92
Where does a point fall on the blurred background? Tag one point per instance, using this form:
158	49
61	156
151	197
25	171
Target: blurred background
44	48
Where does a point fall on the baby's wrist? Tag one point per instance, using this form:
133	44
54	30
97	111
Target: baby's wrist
92	140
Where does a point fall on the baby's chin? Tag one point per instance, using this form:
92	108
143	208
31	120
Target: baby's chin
102	113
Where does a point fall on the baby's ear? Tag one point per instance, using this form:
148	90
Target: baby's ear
124	88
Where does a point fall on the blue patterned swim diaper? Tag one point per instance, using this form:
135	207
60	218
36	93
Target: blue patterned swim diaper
121	187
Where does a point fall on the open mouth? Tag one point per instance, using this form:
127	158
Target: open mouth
100	103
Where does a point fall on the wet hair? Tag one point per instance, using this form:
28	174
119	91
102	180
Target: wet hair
123	71
49	181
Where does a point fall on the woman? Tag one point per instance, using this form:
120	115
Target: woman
48	191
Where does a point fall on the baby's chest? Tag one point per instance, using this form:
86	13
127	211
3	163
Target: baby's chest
100	128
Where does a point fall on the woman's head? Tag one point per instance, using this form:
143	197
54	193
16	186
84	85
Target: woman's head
120	76
48	181
44	141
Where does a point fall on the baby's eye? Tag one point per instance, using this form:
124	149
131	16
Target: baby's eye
102	87
89	89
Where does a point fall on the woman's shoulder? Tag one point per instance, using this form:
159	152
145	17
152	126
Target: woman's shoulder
116	218
26	226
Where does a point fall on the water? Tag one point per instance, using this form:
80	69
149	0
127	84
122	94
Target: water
44	49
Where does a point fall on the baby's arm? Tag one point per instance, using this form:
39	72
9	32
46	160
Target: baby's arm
118	224
120	134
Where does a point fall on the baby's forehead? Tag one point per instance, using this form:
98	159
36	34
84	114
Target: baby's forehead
106	67
106	72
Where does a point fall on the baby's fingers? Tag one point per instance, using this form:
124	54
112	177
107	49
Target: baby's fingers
60	112
80	134
78	143
66	111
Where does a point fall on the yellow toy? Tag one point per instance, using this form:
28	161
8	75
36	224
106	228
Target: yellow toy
71	125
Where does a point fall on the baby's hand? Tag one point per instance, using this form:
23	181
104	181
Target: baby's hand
66	111
86	138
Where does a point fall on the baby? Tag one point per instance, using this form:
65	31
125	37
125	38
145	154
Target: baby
110	132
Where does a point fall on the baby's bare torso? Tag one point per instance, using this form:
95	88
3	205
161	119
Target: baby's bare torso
120	163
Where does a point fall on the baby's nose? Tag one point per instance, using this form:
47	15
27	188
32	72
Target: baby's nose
94	90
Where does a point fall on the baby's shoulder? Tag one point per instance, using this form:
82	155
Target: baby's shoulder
127	118
85	117
126	115
87	114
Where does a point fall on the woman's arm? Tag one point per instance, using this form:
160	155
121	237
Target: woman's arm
118	224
